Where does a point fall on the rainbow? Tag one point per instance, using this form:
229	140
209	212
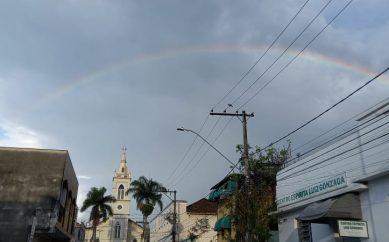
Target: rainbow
174	53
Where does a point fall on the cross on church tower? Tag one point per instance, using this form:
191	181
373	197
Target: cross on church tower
124	153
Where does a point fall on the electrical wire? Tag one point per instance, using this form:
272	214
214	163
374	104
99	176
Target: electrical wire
188	150
263	54
313	39
337	137
199	148
213	142
345	164
328	109
295	57
306	169
282	54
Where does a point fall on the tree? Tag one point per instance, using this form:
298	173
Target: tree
256	198
100	205
147	194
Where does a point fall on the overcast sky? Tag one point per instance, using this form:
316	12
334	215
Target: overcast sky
92	76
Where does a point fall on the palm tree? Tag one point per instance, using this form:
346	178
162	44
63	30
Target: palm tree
100	204
147	194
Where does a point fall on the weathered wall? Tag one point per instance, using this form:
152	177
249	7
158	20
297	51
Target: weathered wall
29	178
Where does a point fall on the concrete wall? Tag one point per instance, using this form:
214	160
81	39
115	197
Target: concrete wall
375	209
30	179
287	226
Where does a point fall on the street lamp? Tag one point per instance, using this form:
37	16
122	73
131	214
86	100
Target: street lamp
188	130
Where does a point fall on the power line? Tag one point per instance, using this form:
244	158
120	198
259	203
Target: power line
282	54
324	133
328	109
295	57
198	161
263	54
199	148
341	153
188	150
342	135
381	104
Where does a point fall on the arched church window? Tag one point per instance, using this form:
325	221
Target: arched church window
123	169
64	193
121	192
117	230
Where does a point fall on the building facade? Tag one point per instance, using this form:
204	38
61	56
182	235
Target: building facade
119	227
339	191
79	232
38	193
194	222
222	194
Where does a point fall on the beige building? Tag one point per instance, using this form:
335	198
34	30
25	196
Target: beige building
119	227
222	194
195	222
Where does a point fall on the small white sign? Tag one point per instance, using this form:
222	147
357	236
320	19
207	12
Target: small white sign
350	228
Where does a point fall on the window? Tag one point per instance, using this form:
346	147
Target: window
304	231
80	235
121	192
123	169
117	230
64	192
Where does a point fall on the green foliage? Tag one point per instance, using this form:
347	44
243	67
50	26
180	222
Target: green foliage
100	205
147	194
256	198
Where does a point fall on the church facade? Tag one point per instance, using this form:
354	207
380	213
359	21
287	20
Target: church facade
119	227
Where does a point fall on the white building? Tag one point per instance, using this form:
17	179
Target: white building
194	221
339	191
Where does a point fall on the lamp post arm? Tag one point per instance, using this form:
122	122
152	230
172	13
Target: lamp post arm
189	130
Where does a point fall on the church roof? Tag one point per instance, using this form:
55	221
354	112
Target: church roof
202	206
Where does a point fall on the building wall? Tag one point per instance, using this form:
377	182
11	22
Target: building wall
188	221
160	227
30	182
375	208
287	226
79	233
224	209
362	153
135	232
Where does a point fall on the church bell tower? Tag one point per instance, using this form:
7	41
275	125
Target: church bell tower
121	207
121	183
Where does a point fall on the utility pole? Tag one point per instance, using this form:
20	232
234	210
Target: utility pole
174	229
245	155
174	232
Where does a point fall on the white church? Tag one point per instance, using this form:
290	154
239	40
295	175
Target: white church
119	227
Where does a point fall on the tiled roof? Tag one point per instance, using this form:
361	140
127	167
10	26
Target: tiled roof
202	206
